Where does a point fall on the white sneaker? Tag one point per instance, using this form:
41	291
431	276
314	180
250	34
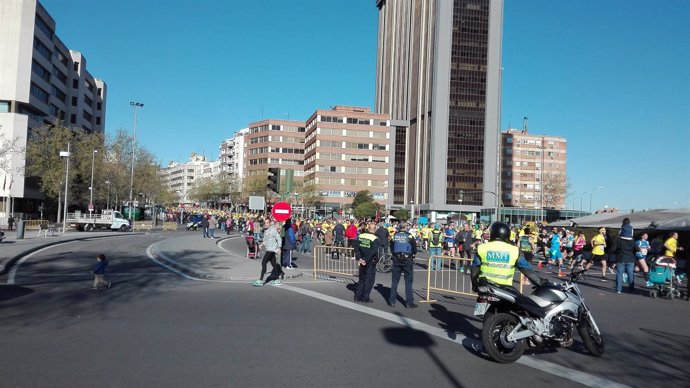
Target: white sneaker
276	283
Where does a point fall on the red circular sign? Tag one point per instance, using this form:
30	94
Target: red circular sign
281	211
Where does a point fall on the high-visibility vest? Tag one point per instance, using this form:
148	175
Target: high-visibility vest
498	261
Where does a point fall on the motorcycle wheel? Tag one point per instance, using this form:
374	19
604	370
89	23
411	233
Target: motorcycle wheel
494	333
594	343
384	266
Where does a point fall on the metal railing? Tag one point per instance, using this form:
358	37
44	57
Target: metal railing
332	261
453	277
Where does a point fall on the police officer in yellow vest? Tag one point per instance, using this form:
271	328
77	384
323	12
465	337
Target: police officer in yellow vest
496	260
367	254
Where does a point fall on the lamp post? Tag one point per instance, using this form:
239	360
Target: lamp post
66	155
107	183
93	163
136	106
590	197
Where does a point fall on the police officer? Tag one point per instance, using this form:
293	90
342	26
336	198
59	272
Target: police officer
404	248
496	260
366	253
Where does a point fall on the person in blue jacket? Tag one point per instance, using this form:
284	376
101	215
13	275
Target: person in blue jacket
99	273
289	243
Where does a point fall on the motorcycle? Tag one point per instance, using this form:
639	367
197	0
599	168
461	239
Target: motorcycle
547	318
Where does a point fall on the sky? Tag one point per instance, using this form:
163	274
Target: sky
611	76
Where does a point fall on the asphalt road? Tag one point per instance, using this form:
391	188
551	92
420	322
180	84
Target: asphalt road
156	328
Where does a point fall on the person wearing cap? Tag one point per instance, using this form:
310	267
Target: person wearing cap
404	247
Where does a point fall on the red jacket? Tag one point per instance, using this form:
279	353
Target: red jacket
351	232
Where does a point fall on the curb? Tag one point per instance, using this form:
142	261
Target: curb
4	268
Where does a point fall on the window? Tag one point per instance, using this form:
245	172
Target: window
40	71
76	66
98	121
43	26
98	106
39	93
4	106
73	118
59	94
88	101
74	101
42	49
60	75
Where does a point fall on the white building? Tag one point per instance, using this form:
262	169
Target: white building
232	154
181	177
41	82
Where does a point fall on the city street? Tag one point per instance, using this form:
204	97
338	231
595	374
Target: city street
157	326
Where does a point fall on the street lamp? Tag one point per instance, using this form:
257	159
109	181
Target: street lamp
107	183
136	106
590	197
66	155
93	161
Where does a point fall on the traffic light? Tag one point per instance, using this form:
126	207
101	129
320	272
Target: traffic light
274	180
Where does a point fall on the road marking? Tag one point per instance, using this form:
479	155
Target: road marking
544	366
13	272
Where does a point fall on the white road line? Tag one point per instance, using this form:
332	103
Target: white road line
13	272
544	366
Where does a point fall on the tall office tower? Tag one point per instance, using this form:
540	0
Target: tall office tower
41	82
438	77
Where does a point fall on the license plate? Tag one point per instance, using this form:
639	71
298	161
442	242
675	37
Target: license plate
480	308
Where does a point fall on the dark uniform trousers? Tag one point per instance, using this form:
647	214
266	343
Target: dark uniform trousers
402	264
367	277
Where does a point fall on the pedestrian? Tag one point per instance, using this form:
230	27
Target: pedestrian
228	226
527	245
404	248
435	244
366	253
351	234
598	243
339	234
10	222
624	249
671	245
305	232
99	272
383	235
642	248
204	226
289	243
272	243
465	239
212	225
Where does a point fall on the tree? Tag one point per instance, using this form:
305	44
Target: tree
361	197
554	189
402	214
366	210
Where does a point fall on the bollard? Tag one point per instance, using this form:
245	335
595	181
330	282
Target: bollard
20	230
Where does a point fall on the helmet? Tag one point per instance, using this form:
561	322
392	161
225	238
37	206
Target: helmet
499	231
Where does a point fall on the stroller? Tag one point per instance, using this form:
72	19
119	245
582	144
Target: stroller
252	247
663	278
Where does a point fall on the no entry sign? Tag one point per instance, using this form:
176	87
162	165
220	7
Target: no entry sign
281	211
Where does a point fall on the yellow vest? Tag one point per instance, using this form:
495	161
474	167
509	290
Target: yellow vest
498	261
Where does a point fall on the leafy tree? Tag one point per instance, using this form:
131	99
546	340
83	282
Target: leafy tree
361	197
366	210
402	214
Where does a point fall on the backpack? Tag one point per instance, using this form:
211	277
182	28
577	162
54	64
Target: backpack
525	244
436	237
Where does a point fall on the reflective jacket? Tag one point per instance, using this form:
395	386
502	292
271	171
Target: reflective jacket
498	261
367	247
403	242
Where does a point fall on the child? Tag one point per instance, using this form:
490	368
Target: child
99	272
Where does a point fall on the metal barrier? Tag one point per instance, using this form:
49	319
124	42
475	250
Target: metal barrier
34	224
142	225
332	261
451	278
170	226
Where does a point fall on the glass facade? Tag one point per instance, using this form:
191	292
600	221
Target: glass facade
465	181
399	165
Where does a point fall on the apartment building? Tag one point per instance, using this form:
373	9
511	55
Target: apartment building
347	150
533	170
274	143
41	82
232	154
438	77
181	177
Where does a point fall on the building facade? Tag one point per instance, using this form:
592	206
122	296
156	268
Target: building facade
347	150
232	154
274	143
438	77
181	177
41	82
533	170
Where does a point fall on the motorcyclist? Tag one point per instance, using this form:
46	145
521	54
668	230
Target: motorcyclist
496	260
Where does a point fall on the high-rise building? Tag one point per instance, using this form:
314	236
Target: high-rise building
533	170
347	150
274	143
438	77
231	154
41	82
182	177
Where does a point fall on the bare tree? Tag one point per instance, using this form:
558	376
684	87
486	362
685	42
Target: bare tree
554	190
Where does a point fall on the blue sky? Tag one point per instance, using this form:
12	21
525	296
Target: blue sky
611	76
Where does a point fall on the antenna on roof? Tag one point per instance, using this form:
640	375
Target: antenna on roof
524	124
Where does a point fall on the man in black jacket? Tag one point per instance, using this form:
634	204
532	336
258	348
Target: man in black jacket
366	253
624	248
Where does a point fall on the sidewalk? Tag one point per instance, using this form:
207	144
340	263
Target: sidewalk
12	249
202	258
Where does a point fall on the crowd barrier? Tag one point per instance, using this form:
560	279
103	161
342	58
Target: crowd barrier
332	261
170	225
142	225
33	224
451	279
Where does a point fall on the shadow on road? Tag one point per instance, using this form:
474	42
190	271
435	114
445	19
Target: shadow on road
8	292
